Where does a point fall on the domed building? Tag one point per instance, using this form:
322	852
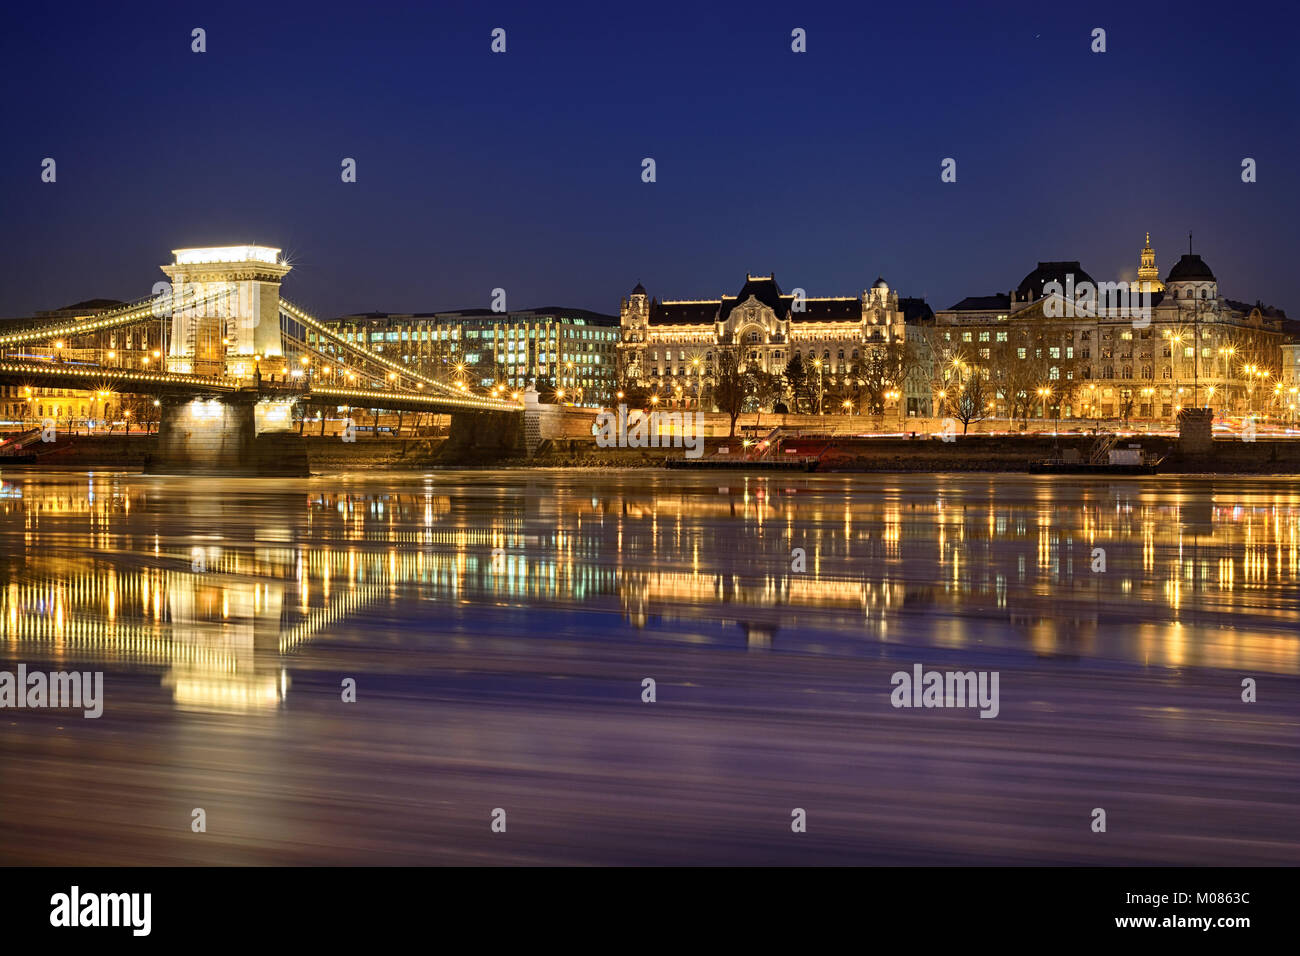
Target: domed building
1118	351
1191	278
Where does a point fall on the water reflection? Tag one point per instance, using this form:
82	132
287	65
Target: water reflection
218	584
499	625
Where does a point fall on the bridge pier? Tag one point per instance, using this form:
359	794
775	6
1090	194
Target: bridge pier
477	437
229	435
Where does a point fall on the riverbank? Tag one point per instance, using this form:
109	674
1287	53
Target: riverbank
972	453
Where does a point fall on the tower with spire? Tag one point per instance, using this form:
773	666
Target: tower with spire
1148	274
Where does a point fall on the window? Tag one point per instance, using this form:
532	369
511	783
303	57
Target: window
1002	336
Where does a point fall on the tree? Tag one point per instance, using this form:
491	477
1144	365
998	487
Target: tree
885	367
798	384
971	404
733	383
766	389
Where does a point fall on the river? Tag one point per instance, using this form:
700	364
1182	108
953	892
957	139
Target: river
499	628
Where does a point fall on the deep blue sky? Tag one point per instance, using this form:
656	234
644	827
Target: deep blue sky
523	170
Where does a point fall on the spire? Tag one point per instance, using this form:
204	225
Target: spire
1148	274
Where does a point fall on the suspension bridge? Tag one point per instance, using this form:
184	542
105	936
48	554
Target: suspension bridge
229	359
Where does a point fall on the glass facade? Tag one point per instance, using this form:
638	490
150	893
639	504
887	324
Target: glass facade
570	354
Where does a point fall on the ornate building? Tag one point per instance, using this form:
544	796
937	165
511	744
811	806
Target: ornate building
669	346
1148	274
1042	354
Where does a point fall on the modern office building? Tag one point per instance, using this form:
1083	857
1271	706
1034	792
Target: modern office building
569	354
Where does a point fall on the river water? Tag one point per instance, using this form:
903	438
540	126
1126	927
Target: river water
499	628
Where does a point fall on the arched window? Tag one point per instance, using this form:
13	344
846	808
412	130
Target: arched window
1127	372
1146	371
753	336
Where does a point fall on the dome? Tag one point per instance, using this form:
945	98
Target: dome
1190	268
880	283
1031	286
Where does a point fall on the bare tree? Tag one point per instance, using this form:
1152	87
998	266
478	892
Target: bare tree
971	403
733	382
884	367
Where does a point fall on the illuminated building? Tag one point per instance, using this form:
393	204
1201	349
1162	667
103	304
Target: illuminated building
673	343
569	350
1107	361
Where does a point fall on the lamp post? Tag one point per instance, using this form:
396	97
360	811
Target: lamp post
817	363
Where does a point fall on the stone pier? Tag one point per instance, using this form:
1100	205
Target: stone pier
1196	431
230	435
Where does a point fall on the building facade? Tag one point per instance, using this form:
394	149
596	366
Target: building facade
1048	350
136	347
569	354
670	347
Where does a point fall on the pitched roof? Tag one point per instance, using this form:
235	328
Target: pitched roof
982	303
683	313
1268	311
915	310
762	288
1031	286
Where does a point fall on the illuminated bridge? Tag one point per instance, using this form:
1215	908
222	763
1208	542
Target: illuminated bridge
233	359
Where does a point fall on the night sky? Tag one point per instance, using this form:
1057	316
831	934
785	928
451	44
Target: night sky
523	170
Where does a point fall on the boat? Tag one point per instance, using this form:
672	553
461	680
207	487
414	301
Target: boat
1103	459
760	454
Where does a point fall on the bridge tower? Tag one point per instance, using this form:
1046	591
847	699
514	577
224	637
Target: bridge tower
224	336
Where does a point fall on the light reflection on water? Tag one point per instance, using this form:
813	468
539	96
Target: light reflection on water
499	624
218	582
